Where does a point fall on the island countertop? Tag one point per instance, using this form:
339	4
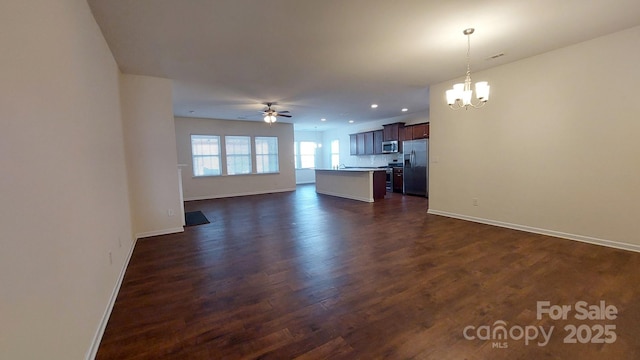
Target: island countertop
354	169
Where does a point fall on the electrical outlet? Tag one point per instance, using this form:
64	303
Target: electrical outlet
170	212
110	258
475	201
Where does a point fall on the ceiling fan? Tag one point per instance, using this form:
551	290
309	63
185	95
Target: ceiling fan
270	114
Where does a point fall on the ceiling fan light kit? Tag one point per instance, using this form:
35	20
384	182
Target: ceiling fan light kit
270	115
461	95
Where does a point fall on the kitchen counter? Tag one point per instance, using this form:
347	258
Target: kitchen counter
356	169
363	184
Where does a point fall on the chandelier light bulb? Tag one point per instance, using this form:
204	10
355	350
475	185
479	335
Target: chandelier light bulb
451	97
482	91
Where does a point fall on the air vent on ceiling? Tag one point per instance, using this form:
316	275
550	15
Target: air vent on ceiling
495	56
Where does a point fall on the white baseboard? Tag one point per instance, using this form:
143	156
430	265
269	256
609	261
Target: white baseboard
581	238
97	338
159	232
221	196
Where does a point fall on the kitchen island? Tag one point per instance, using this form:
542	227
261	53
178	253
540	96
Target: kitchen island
364	184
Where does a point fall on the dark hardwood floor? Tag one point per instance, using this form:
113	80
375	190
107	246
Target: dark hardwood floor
301	275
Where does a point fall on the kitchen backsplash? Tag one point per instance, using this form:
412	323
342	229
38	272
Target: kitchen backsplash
373	160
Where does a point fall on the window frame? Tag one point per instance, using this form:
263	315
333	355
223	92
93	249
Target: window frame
194	156
299	155
258	156
336	154
231	157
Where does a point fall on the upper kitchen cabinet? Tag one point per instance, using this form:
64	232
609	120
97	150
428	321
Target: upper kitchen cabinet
421	131
360	142
417	131
353	144
366	143
378	135
390	132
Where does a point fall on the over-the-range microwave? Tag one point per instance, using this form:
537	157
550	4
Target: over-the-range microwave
389	147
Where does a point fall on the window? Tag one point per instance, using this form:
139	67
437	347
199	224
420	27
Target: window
205	151
305	153
266	155
238	154
335	153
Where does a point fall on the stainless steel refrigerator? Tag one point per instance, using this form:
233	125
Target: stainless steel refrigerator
416	167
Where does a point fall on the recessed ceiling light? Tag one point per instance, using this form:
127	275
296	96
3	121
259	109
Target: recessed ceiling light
373	106
405	109
350	121
323	119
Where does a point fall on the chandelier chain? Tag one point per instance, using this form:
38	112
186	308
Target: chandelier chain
467	80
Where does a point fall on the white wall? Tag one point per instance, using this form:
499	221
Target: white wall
152	163
556	148
63	188
234	185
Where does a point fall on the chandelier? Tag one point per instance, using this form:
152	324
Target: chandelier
460	96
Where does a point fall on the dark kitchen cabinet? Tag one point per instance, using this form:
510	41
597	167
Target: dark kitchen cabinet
379	185
408	132
390	132
353	144
417	131
421	131
368	143
377	141
397	181
360	143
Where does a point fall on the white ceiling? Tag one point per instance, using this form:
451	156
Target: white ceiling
333	58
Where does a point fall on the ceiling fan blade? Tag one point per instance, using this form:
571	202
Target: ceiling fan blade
284	115
283	112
